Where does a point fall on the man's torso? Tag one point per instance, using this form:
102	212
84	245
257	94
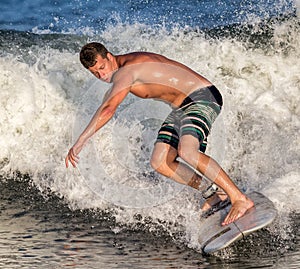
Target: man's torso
155	76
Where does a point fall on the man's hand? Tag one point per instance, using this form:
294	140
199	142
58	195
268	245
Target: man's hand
72	156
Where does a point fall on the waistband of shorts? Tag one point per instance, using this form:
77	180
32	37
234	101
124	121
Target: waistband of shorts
210	94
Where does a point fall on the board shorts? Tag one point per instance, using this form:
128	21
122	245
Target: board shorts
194	116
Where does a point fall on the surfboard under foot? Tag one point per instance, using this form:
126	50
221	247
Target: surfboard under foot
213	236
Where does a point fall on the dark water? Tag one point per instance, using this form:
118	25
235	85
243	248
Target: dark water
50	217
40	231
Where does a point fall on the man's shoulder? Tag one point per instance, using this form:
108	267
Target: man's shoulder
142	57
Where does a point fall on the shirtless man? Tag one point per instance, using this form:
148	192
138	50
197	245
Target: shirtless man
195	101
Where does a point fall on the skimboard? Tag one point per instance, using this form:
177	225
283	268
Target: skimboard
213	236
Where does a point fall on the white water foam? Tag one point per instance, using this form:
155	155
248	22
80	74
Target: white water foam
257	132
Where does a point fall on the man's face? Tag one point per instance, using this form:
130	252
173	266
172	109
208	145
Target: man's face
104	68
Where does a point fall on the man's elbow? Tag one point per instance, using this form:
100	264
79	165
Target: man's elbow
108	112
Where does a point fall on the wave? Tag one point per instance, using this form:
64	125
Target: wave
47	98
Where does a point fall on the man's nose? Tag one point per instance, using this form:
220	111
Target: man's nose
101	74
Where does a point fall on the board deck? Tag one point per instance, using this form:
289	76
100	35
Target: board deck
213	236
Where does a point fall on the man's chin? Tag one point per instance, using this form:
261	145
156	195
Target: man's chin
106	80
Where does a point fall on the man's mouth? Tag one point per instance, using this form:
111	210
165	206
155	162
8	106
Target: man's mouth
105	79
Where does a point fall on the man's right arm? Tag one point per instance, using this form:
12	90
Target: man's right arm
104	113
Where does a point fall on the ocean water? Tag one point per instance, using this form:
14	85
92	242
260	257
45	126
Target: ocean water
114	211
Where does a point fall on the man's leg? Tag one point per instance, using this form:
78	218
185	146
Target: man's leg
164	161
188	151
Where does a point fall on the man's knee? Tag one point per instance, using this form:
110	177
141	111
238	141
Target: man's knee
158	159
155	162
162	157
160	165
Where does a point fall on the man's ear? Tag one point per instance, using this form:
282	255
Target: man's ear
109	56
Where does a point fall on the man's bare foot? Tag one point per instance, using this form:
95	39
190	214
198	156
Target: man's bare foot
219	196
238	209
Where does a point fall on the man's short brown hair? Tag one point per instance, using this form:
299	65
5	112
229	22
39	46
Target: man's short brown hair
89	53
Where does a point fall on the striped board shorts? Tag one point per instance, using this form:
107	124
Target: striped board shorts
194	116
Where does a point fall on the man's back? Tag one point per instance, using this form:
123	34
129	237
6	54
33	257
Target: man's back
155	76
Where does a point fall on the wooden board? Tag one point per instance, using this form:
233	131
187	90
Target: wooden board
213	236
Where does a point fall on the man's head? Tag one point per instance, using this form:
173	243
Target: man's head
89	52
98	60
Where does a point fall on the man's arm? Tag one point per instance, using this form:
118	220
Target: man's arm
103	114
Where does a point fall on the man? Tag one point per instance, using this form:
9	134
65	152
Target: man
195	101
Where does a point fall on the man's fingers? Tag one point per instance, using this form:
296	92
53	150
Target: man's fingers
72	161
67	162
72	158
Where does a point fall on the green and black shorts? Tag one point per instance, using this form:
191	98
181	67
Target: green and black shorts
194	116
